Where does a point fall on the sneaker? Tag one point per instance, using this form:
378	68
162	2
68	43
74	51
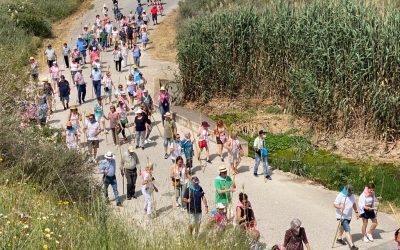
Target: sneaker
142	148
222	159
354	248
149	141
129	198
255	174
166	156
370	238
341	241
146	141
137	146
268	177
177	204
119	204
134	197
208	161
365	239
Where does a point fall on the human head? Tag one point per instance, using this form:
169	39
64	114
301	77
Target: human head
205	124
130	78
220	123
131	149
223	172
120	104
65	44
234	135
99	100
371	187
295	224
145	92
187	135
177	137
74	109
109	156
243	198
261	133
31	59
149	168
108	73
179	161
62	77
120	87
195	181
55	63
139	112
91	118
116	47
167	116
49	46
95	67
112	108
162	89
220	208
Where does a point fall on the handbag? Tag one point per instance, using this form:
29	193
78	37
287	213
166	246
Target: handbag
264	152
106	89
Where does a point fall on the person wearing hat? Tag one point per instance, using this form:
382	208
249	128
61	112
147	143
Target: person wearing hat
114	124
118	91
163	102
219	220
117	55
194	197
49	93
99	113
344	203
85	34
140	128
96	79
224	186
122	111
82	45
108	86
94	54
92	129
129	165
147	101
34	68
64	91
42	110
80	85
148	188
74	117
107	168
203	135
261	154
71	136
131	88
145	17
50	53
169	133
74	66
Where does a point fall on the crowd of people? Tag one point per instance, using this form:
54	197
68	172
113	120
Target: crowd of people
123	35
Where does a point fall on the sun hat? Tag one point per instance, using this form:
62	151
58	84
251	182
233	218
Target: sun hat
109	155
222	169
122	93
134	66
55	62
45	79
205	124
89	114
69	124
131	149
94	48
139	111
168	114
261	132
195	179
162	88
95	66
31	58
220	206
73	107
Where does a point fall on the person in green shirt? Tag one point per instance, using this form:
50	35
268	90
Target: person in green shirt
169	133
224	186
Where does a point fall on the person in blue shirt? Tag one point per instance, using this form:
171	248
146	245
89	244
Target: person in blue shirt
96	79
136	55
82	46
107	168
187	147
139	10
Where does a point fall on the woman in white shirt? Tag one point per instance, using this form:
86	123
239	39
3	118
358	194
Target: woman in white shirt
367	203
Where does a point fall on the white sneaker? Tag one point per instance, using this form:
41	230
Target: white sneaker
146	141
369	236
149	141
365	239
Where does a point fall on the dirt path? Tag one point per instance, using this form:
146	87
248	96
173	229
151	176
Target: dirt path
275	202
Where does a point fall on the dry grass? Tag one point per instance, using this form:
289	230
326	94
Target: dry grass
163	46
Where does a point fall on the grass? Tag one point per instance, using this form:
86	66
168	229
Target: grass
296	154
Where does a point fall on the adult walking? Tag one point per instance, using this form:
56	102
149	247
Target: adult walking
147	101
224	186
108	86
221	137
48	91
187	147
344	204
82	45
131	88
295	237
140	128
66	51
117	55
96	79
64	91
75	67
136	54
92	129
203	137
122	111
235	152
71	136
246	218
75	117
55	74
124	53
163	103
179	176
148	188
114	124
34	68
367	204
50	54
107	168
261	154
130	163
194	197
99	113
80	85
154	14
169	133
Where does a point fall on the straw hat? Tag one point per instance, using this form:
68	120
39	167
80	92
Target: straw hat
139	111
222	169
31	58
162	88
46	79
168	114
220	206
73	107
109	155
131	149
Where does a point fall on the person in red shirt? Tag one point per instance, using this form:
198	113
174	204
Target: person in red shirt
94	55
154	14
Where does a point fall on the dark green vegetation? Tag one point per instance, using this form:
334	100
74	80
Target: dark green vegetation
292	153
334	62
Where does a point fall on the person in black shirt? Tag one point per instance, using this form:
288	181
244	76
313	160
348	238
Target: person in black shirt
140	127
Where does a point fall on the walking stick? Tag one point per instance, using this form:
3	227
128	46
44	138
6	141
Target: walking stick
123	179
341	216
379	204
153	196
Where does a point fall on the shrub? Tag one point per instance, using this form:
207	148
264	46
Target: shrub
38	25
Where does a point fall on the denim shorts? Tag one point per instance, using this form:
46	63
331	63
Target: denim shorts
167	141
346	225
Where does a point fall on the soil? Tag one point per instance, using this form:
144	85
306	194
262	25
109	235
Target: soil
357	146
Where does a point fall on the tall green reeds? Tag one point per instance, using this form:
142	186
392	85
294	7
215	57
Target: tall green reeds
335	62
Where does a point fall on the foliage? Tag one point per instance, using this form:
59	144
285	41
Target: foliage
334	62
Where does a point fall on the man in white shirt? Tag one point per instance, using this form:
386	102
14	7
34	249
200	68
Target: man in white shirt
261	153
50	53
344	203
80	85
92	129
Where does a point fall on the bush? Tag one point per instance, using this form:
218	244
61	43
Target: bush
37	25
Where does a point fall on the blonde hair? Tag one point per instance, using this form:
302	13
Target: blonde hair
149	167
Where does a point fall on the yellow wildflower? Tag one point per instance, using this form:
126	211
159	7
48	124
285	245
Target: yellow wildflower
47	230
45	247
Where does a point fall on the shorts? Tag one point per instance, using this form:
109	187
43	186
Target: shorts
346	225
203	144
219	140
167	141
83	52
194	218
109	92
370	214
93	144
64	98
131	94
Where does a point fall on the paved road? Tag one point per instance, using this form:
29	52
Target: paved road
275	203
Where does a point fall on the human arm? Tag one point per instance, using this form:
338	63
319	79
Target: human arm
238	215
186	198
356	209
205	203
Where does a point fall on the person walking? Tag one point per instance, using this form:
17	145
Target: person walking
203	137
80	85
148	123
114	124
234	151
64	91
50	53
131	88
261	154
55	74
96	79
124	53
295	237
66	51
130	163
122	111
221	137
108	86
99	113
74	67
148	188
367	204
107	168
75	117
129	35
34	68
194	196
224	186
163	103
117	55
136	55
147	101
187	147
344	203
140	128
92	130
144	34
71	136
49	93
82	46
397	238
246	218
169	133
153	12
179	175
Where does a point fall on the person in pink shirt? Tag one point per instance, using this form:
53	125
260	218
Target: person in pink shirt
94	55
139	93
55	74
163	102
